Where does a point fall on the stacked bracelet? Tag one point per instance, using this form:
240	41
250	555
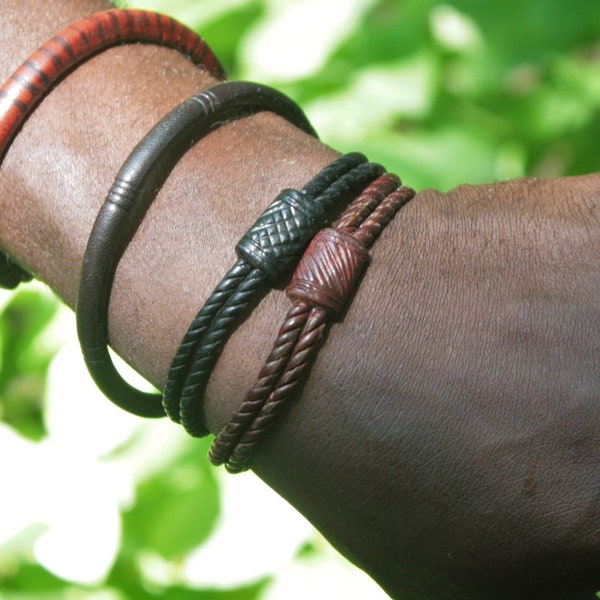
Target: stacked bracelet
135	187
321	284
266	253
59	55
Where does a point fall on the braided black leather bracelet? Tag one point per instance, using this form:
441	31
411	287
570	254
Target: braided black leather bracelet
134	189
267	252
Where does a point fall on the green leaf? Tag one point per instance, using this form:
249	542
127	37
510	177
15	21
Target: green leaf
252	592
131	587
176	508
31	579
24	359
225	32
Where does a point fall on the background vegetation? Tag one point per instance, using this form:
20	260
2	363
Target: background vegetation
96	504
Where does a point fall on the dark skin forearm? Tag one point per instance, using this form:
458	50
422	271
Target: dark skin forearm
447	438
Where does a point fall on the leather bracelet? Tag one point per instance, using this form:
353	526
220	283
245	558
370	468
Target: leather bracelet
134	189
236	278
67	49
321	284
269	249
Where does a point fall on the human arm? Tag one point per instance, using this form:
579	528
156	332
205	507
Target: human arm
436	330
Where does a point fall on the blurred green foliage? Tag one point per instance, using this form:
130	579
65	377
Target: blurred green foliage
24	360
441	93
169	500
517	95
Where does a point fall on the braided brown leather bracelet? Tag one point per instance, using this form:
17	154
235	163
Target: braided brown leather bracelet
319	288
23	90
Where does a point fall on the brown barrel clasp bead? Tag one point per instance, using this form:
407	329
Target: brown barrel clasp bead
329	270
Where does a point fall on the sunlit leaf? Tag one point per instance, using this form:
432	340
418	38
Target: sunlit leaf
176	508
33	580
225	32
24	359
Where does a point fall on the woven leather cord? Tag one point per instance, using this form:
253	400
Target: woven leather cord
24	89
229	285
303	329
134	189
290	332
268	252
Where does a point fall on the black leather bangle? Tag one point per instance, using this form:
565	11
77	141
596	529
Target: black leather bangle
11	274
269	250
134	189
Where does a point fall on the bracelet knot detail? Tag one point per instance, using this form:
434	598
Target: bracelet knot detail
319	289
329	270
279	235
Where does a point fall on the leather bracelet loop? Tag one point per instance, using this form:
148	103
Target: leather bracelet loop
11	274
219	311
23	90
317	298
135	187
208	333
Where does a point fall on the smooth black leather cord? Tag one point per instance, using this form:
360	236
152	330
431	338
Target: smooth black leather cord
213	325
134	189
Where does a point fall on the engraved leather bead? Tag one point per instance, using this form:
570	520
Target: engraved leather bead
278	237
329	270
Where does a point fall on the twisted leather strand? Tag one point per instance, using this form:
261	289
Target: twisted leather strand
291	330
181	363
135	187
272	255
24	89
300	335
306	348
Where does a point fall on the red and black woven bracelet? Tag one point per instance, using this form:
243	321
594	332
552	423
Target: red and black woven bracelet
267	252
